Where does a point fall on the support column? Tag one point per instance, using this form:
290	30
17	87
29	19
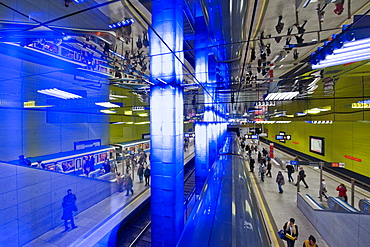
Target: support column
202	129
166	129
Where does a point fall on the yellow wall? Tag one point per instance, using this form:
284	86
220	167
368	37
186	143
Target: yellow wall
341	138
127	132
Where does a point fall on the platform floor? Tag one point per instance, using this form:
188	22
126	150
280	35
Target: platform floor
95	222
284	206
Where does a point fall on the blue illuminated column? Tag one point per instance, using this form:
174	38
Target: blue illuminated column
202	129
166	129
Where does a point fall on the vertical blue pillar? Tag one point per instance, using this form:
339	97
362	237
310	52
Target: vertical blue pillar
166	129
202	131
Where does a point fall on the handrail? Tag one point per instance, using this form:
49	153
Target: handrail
314	202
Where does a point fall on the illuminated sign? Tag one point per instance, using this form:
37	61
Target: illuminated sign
335	164
29	104
361	104
283	137
251	136
138	108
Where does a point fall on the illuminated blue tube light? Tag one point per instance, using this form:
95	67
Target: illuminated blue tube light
121	23
352	51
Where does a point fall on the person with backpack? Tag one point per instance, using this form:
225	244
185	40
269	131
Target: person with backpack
290	169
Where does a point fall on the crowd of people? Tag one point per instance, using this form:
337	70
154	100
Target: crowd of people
290	229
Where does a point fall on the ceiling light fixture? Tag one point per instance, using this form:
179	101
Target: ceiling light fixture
281	96
107	104
108	111
352	51
119	24
59	93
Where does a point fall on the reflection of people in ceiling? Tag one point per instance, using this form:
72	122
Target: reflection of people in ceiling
339	7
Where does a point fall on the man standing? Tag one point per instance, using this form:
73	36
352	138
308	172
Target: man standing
147	175
140	172
69	205
262	170
301	177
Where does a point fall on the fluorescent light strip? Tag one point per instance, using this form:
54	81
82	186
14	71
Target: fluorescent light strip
356	42
107	104
281	96
108	111
352	54
352	48
159	79
117	96
325	64
352	51
59	93
149	82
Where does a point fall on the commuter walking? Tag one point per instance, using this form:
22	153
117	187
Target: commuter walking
323	188
140	172
264	152
296	158
342	192
58	167
268	169
114	166
280	181
106	165
69	206
128	184
262	170
290	169
147	175
259	159
291	229
311	242
119	181
23	161
251	164
301	177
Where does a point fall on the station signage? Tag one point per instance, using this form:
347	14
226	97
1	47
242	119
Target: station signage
283	137
335	164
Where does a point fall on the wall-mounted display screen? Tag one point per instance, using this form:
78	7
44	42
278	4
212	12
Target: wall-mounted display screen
317	145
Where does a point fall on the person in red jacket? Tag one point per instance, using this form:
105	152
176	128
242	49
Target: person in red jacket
342	192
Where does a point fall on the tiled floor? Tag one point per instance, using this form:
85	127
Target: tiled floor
284	206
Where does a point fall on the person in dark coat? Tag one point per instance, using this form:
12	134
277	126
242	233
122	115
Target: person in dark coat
128	184
140	172
106	165
269	166
301	177
290	169
23	161
291	229
280	181
147	175
69	205
251	164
